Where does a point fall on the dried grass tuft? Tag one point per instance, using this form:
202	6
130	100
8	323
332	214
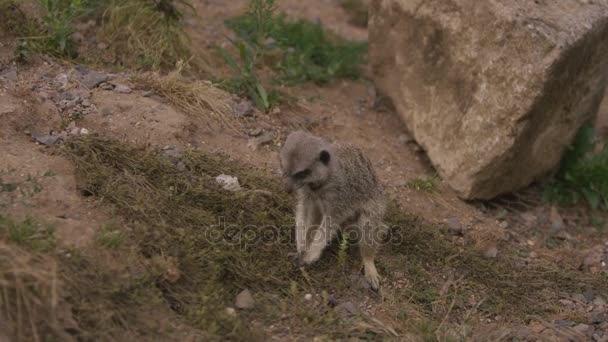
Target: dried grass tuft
196	98
30	296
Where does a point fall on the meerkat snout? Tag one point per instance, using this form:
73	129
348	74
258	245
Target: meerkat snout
335	185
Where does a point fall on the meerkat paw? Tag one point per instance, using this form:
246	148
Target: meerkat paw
310	256
372	277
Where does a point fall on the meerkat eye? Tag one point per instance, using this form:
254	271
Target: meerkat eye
324	157
302	174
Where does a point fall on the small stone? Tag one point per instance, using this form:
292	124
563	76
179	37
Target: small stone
106	111
566	302
589	295
405	138
276	111
84	131
260	141
584	329
244	109
599	316
491	252
94	79
102	46
504	224
520	333
10	75
594	257
74	131
61	81
308	296
455	227
244	300
106	86
557	222
122	89
600	337
579	297
228	183
348	308
533	255
47	139
86	103
256	132
528	218
230	312
147	93
599	301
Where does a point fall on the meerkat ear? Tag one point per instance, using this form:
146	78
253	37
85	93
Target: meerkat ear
324	157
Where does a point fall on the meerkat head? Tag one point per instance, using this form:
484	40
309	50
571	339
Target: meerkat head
306	160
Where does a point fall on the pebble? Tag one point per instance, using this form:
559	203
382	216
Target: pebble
10	75
228	183
308	296
62	82
348	308
260	141
94	79
599	301
147	93
86	103
47	139
231	312
84	131
599	316
491	252
123	89
557	222
244	109
256	132
106	86
102	46
106	111
503	224
578	297
455	227
244	300
585	329
566	302
405	138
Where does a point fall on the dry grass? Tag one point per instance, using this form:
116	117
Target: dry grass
195	265
30	296
138	34
196	98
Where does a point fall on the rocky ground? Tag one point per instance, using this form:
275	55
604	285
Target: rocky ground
48	102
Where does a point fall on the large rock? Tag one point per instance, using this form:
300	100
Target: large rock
493	90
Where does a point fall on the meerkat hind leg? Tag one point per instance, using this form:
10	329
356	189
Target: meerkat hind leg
367	248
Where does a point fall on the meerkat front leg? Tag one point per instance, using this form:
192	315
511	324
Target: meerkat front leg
320	238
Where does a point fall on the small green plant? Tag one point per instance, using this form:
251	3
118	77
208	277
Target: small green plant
246	82
302	51
298	52
21	189
27	233
56	36
343	251
423	184
110	236
583	173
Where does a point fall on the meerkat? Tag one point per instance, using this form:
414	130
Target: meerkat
336	187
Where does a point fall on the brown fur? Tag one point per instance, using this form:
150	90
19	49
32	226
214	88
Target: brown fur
336	186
